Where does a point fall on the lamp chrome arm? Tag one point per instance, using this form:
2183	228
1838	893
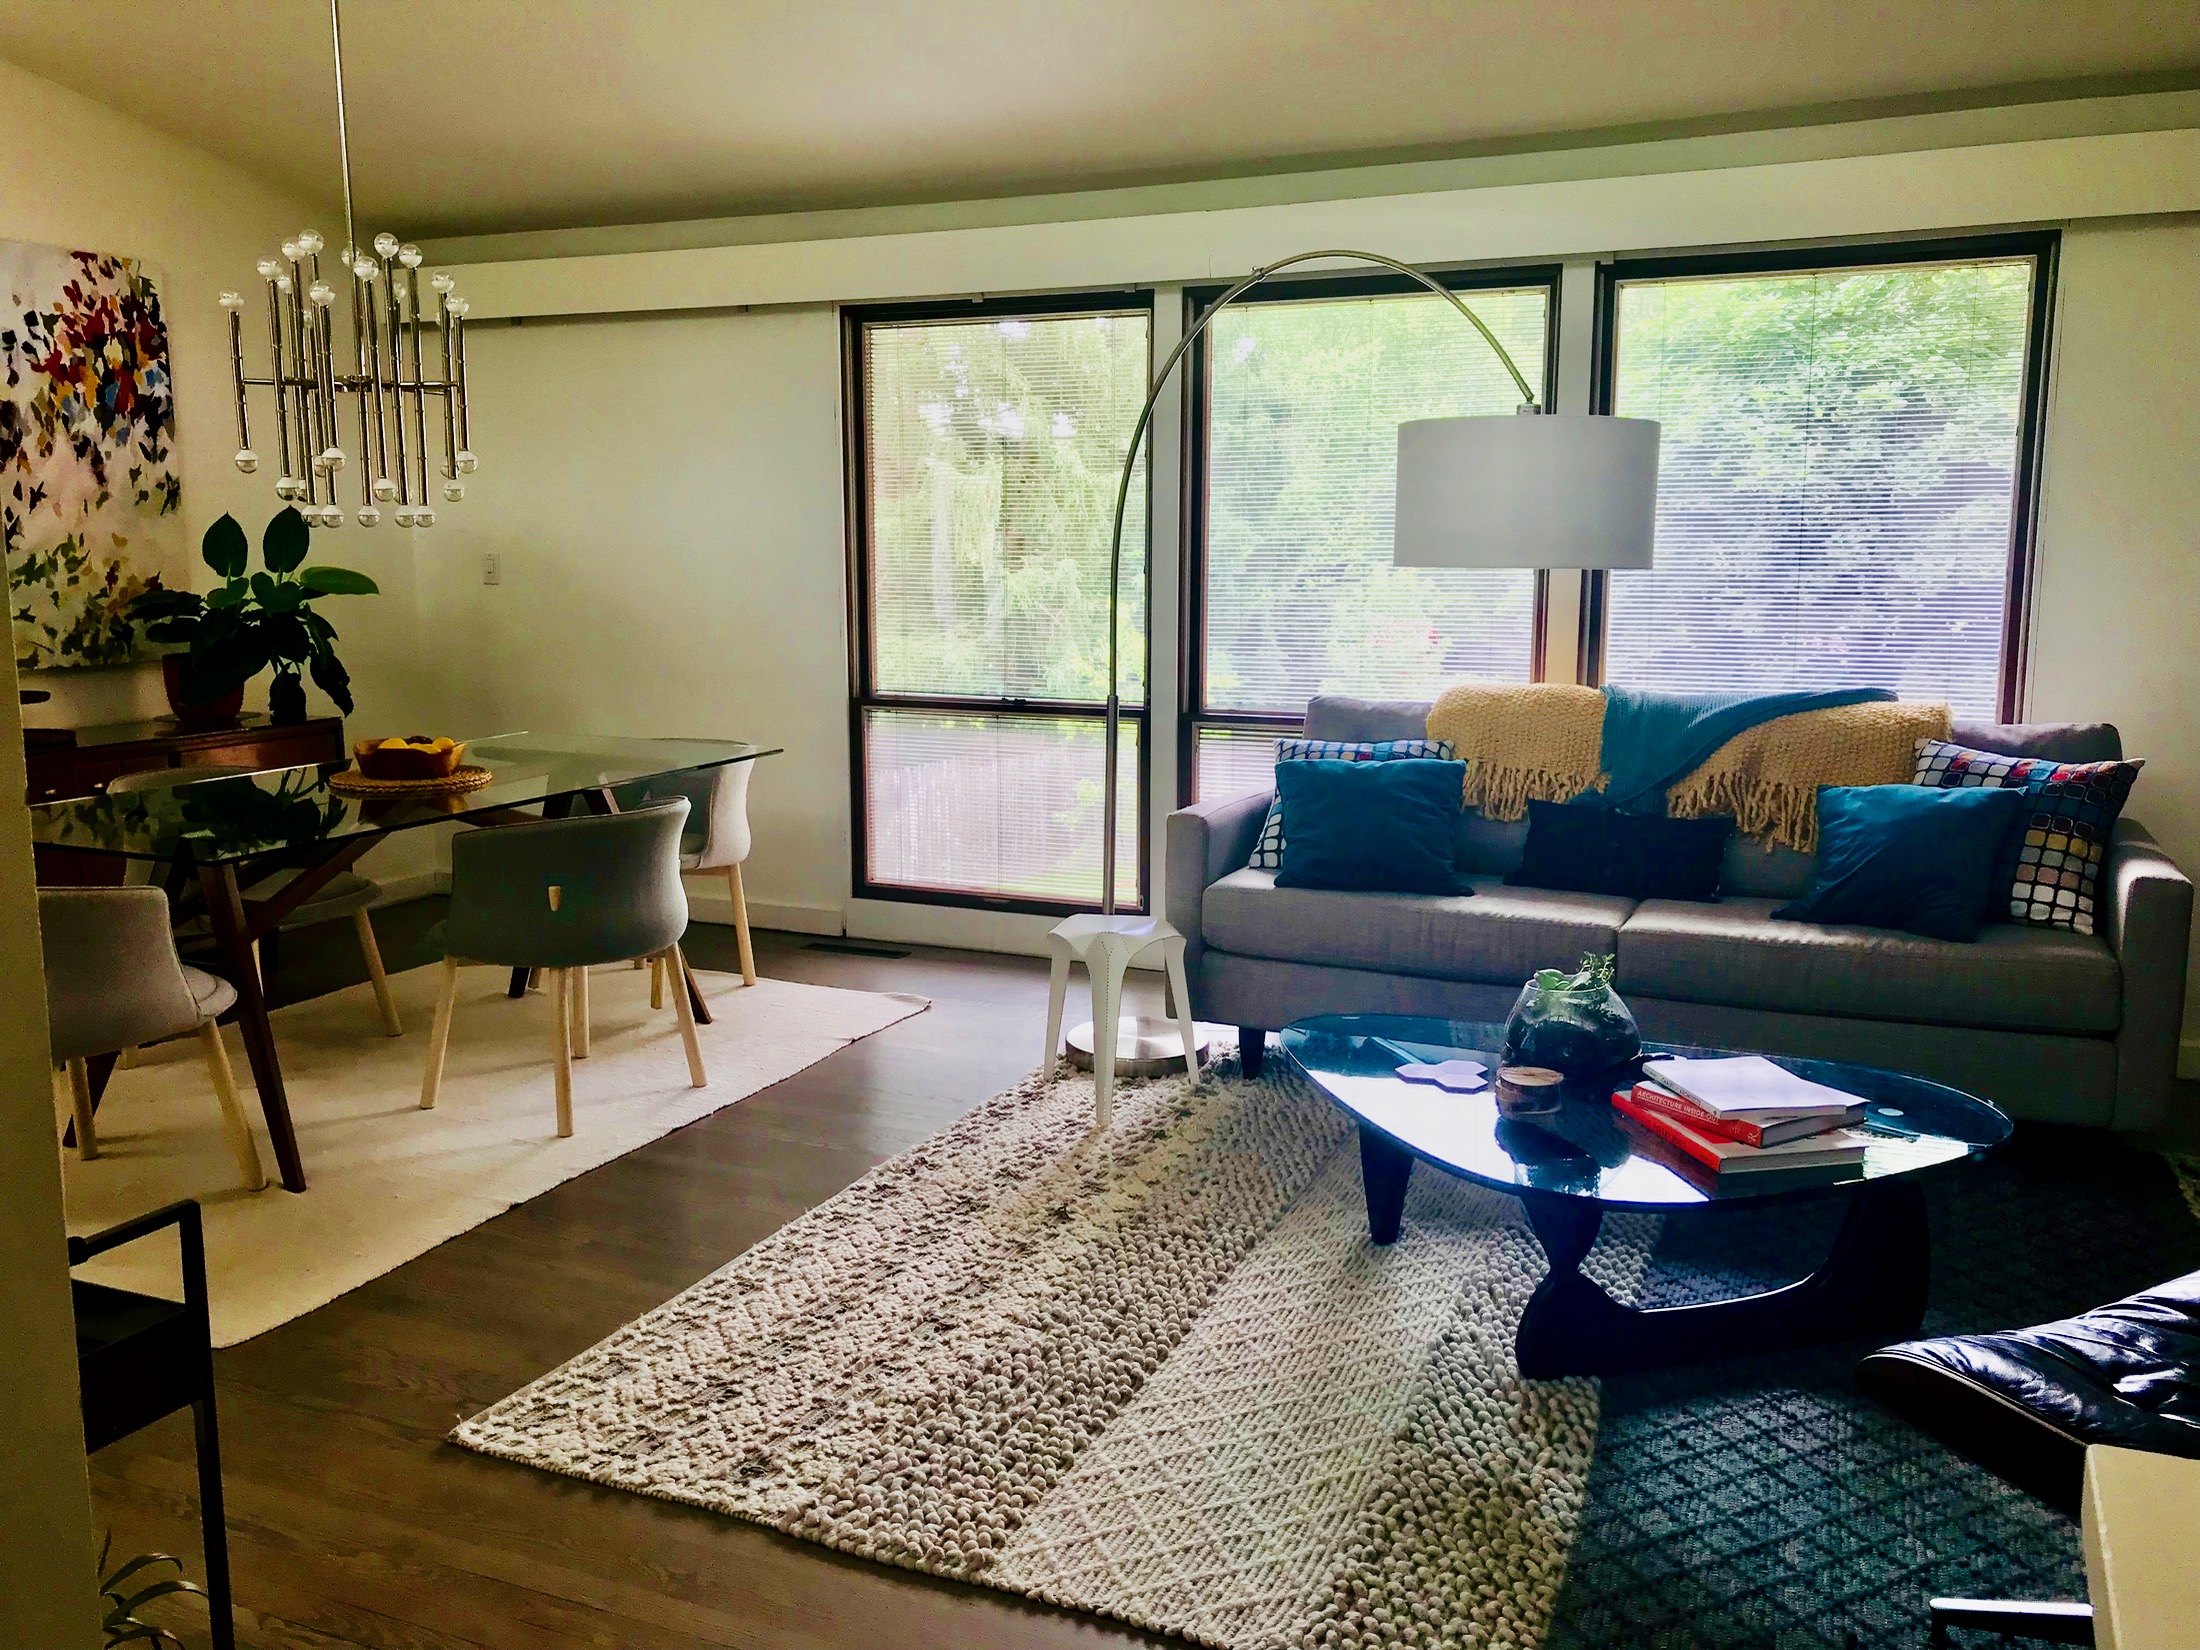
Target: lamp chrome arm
1130	469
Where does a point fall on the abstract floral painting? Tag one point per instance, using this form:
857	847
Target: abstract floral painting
89	491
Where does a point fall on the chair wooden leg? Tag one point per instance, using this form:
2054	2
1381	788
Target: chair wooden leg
741	924
80	1101
439	1039
234	1122
674	968
380	980
582	1030
560	989
657	981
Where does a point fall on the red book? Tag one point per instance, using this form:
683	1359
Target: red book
1724	1156
1765	1131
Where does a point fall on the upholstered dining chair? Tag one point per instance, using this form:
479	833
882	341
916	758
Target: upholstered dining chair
716	843
565	895
347	894
114	981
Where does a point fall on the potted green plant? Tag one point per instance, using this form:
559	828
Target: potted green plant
251	622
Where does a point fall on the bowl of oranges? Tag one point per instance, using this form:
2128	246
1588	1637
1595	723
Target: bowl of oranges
412	759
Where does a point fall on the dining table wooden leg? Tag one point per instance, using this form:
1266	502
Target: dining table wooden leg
225	907
696	1005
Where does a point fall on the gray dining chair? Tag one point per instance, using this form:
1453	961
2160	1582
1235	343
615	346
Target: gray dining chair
565	895
346	894
114	981
716	843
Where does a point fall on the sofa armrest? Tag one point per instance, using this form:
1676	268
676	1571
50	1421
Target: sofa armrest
2146	917
1207	841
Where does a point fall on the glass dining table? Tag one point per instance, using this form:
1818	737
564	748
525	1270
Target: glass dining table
208	841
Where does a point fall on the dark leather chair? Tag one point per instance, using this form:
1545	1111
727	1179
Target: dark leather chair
2025	1403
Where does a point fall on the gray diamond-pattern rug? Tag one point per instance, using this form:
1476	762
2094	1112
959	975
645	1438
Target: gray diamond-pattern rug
1157	1373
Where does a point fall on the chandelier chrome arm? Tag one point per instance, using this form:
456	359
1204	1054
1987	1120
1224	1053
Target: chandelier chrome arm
385	376
1130	467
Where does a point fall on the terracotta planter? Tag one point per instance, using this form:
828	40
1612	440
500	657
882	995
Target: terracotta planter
215	713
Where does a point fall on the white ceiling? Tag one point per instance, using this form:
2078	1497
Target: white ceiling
472	116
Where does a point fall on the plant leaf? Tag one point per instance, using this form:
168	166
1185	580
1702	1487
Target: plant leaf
228	595
113	1582
283	546
330	676
224	547
338	581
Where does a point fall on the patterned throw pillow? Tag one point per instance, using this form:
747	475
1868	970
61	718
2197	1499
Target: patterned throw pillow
2051	863
1268	851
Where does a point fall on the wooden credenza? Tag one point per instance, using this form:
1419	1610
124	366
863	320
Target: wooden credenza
67	762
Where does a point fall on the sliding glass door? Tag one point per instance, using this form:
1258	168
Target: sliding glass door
986	440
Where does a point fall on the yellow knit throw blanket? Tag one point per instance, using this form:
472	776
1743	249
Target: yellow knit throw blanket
1544	742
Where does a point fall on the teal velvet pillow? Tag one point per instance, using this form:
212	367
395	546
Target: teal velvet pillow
1907	857
1387	826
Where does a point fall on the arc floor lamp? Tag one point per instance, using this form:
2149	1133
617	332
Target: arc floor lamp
1549	491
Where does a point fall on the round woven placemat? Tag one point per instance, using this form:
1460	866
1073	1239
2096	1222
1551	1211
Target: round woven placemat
355	783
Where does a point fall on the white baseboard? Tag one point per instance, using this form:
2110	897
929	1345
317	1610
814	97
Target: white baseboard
706	904
1010	933
413	885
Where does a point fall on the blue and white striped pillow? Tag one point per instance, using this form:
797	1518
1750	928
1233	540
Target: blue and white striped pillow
1268	851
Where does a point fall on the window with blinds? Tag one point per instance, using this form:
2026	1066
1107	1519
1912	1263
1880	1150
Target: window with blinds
1839	476
990	444
1294	591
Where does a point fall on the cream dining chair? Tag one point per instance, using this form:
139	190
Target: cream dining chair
114	981
716	843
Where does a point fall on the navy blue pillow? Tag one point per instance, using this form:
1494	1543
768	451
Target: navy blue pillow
1908	857
1587	848
1371	825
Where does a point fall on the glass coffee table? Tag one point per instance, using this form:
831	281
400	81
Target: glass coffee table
1572	1166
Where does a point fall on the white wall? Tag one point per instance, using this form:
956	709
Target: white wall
665	493
2116	618
75	174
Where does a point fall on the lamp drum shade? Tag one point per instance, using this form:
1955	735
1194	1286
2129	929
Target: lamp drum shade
1541	490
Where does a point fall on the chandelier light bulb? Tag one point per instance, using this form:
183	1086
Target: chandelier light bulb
458	307
332	458
385	245
441	282
385	489
369	516
423	517
292	251
403	516
365	268
409	255
332	515
453	491
269	269
287	487
282	283
466	463
232	300
321	293
247	460
310	242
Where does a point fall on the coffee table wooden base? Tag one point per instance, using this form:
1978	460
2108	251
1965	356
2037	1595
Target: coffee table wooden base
1873	1283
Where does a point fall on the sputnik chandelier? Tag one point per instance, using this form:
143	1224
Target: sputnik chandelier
379	378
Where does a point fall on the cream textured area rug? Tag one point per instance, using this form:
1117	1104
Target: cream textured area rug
387	1181
1159	1374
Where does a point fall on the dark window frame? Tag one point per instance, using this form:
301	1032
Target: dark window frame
2043	247
863	692
1193	713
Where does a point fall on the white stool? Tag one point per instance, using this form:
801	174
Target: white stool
1107	946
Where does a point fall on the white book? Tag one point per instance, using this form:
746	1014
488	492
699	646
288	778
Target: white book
1746	1085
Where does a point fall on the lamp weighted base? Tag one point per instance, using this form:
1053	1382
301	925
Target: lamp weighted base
1144	1046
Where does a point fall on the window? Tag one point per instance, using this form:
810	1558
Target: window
1845	470
1299	390
986	444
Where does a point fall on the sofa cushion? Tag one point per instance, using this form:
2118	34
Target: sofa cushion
1358	721
2053	741
1737	954
1500	935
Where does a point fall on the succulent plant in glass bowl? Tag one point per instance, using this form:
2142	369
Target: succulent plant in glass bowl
1573	1023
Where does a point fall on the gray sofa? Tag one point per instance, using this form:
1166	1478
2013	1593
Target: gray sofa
2054	1026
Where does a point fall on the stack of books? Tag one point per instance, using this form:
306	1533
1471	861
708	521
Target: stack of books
1744	1115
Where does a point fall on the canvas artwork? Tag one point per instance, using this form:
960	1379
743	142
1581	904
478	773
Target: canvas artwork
89	489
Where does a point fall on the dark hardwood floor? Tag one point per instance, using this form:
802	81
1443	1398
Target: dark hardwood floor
353	1522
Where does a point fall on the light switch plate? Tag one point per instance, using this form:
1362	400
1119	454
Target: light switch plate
492	567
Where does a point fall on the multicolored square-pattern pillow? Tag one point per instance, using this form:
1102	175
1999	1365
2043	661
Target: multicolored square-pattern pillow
2051	861
1268	851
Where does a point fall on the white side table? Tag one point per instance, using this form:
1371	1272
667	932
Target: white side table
1107	946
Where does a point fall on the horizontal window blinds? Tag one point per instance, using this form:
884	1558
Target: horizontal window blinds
1305	399
993	449
1836	478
